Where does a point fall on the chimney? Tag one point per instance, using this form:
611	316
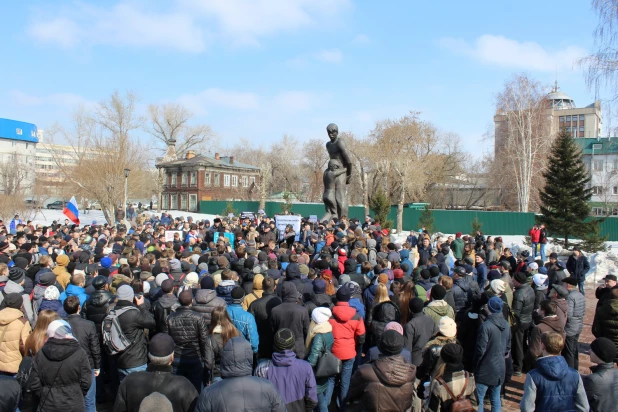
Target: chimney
217	157
231	160
190	155
170	154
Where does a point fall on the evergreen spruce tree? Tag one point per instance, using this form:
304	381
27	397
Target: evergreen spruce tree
476	226
426	219
380	204
564	199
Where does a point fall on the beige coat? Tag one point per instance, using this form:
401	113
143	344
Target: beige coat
16	329
62	275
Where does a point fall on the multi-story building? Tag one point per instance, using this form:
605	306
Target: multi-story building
18	142
601	159
187	181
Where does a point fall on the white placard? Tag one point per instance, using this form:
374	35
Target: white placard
281	221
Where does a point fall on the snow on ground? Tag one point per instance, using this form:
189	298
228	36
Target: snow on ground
46	216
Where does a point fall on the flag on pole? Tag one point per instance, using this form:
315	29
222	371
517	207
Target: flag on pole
71	211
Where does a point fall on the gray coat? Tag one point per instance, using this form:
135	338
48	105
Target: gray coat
602	388
575	315
416	333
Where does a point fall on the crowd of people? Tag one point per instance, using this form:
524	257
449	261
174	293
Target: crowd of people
337	317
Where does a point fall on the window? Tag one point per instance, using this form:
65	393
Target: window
18	131
597	211
26	146
226	180
165	201
561	119
581	128
193	202
217	180
206	179
193	178
615	190
245	181
252	180
597	165
597	190
184	179
234	180
174	177
32	134
568	118
173	202
581	117
183	201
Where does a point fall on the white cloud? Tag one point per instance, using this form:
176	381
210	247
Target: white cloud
329	56
503	52
187	25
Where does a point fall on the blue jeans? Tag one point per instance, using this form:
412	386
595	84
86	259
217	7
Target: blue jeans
534	249
543	251
91	397
494	396
325	397
344	380
122	373
581	287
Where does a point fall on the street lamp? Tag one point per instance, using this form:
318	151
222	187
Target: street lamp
126	189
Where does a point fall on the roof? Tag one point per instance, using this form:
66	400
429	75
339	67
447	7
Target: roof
608	145
200	160
16	130
558	95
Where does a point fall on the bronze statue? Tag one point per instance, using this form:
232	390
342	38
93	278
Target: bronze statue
336	176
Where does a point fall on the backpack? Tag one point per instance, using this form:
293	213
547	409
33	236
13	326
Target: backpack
460	403
114	339
177	283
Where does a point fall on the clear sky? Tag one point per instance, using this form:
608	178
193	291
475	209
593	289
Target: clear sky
261	68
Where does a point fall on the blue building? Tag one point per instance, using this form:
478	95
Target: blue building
18	131
18	142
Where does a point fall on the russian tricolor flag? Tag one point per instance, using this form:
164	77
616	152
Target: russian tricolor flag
71	211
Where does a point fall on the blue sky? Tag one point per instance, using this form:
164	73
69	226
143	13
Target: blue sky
259	69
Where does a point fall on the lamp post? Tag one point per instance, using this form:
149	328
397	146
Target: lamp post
126	190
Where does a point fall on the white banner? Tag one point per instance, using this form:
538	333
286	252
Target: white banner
281	221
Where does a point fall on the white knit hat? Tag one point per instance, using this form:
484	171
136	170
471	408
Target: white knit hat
191	280
447	327
498	286
51	293
321	315
539	279
160	278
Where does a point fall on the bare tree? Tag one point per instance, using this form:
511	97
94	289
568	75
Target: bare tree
171	123
523	134
361	150
14	171
313	164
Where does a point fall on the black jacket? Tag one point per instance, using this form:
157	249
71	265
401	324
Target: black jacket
578	267
10	394
261	310
239	391
465	290
133	323
162	308
493	343
416	333
205	302
214	349
61	376
137	385
96	307
86	333
523	303
319	300
381	314
602	388
292	316
190	332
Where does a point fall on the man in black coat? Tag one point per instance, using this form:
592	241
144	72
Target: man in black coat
238	391
190	332
418	331
261	309
292	316
578	266
523	306
157	377
10	393
86	334
602	384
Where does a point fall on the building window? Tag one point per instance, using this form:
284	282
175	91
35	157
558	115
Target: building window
173	202
596	211
26	146
597	165
581	117
581	128
165	201
226	180
568	118
18	131
206	179
193	178
245	181
217	180
184	179
32	134
183	201
597	190
615	190
252	180
173	177
193	202
569	129
561	119
234	180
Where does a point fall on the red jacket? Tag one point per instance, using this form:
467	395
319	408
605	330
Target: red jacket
535	235
341	258
348	331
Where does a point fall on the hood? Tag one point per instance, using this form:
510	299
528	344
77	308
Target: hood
167	301
285	358
349	266
12	287
205	296
554	323
371	243
100	297
613	304
257	282
440	258
440	307
8	315
498	320
84	257
73	290
62	260
322	300
386	312
289	293
404	254
38	292
59	349
393	370
292	271
552	367
236	358
343	312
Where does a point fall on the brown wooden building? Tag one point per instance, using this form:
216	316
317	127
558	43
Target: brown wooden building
188	181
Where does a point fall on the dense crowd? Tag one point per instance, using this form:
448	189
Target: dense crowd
338	316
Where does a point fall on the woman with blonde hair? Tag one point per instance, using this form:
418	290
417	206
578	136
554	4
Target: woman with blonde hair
36	339
382	312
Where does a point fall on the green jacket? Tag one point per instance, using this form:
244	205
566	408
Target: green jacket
437	309
321	343
457	246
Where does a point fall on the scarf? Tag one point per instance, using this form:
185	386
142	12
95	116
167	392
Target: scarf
314	329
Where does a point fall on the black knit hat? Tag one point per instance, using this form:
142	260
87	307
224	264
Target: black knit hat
161	345
604	348
237	294
284	339
438	292
451	353
343	294
391	343
14	300
416	305
521	277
